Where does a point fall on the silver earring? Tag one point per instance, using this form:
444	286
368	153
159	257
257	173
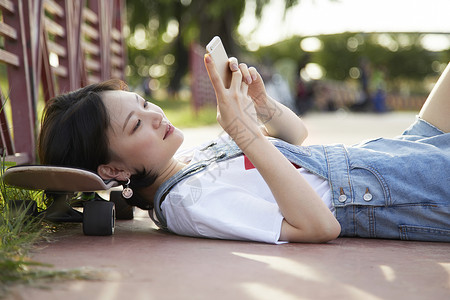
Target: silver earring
127	192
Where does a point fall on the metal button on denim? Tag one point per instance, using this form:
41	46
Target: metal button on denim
367	197
342	197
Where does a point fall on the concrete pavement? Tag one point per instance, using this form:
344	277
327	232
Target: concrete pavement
328	128
141	262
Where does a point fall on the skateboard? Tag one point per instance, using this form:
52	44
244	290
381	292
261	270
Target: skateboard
62	185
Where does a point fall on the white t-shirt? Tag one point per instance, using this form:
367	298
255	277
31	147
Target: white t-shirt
229	200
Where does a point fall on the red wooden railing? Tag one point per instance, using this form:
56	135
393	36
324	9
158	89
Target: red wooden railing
51	47
19	93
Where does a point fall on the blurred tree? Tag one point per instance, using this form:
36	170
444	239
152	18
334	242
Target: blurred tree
400	54
161	32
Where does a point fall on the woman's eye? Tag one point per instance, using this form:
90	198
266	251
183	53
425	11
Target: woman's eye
137	125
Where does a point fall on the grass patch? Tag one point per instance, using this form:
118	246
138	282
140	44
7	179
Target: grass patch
20	231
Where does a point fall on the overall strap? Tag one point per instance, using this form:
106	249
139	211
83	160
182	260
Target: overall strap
218	152
161	193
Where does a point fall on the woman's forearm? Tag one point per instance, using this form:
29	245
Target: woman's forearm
283	123
307	217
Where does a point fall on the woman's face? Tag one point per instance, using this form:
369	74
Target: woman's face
140	135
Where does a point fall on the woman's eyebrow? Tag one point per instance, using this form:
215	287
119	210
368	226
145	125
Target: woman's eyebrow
129	116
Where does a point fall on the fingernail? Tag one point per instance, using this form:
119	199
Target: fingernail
207	58
254	77
234	67
248	79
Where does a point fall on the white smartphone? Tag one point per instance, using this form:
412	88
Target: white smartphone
219	55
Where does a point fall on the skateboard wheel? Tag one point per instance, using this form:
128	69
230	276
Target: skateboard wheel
98	218
124	211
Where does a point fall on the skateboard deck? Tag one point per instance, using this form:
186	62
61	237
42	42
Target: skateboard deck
55	179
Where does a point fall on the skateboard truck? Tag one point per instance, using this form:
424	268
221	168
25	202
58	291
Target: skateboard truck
60	209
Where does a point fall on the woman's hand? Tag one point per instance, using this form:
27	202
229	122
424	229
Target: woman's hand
264	105
278	120
250	99
235	109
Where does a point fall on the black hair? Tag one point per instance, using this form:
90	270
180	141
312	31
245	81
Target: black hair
74	131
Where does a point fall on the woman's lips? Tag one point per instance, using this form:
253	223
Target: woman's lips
169	131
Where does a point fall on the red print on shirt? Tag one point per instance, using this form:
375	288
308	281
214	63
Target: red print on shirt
248	164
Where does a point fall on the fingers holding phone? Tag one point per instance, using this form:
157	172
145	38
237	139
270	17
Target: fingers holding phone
235	108
218	54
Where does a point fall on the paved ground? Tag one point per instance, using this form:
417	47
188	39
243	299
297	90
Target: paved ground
140	262
327	128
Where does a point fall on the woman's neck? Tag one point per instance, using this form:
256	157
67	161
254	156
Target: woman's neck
172	168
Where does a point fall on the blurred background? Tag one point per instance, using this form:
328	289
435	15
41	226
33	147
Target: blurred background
314	55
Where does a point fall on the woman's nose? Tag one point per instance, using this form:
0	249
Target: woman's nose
156	119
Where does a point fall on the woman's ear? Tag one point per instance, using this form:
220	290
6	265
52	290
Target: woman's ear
110	172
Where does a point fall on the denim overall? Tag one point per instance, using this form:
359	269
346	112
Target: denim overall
384	188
